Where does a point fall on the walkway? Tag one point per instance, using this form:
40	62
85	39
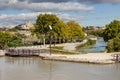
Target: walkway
72	46
101	58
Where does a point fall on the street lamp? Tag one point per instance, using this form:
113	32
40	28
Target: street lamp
50	36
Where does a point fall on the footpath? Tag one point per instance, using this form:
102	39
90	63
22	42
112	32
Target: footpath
72	46
96	58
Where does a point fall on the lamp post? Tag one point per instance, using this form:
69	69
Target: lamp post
50	37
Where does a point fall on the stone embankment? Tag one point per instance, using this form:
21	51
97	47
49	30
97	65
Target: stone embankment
99	58
2	53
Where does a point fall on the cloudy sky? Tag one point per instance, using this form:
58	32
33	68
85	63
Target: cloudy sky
85	12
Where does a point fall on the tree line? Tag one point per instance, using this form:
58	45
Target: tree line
8	39
61	31
112	36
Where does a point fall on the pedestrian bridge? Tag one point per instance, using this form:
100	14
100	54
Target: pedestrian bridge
25	51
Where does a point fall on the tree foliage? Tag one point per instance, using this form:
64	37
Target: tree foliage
113	45
10	40
5	38
60	30
43	21
112	35
112	30
75	29
98	32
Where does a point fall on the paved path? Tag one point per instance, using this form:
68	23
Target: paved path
72	46
67	46
100	58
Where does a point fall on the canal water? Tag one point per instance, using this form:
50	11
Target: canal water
99	46
21	68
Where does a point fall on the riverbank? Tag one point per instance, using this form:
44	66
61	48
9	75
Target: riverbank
100	58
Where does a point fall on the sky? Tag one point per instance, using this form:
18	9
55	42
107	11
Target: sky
85	12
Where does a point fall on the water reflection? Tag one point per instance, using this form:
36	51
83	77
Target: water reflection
21	60
36	69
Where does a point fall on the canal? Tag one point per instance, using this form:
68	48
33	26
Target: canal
99	46
33	68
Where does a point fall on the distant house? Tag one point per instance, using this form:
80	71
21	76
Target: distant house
21	28
27	25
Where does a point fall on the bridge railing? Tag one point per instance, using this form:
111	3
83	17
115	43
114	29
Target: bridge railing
25	52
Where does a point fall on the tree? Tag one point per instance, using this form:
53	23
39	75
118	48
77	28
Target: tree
113	45
42	23
8	39
98	32
16	40
75	30
112	35
61	31
112	30
110	46
5	38
116	42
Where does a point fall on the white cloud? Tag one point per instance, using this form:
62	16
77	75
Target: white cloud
67	17
22	18
80	1
44	6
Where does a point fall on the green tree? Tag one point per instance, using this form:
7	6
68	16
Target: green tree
43	21
110	46
112	30
98	32
8	39
41	27
112	35
16	40
75	30
116	42
5	38
113	45
61	31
